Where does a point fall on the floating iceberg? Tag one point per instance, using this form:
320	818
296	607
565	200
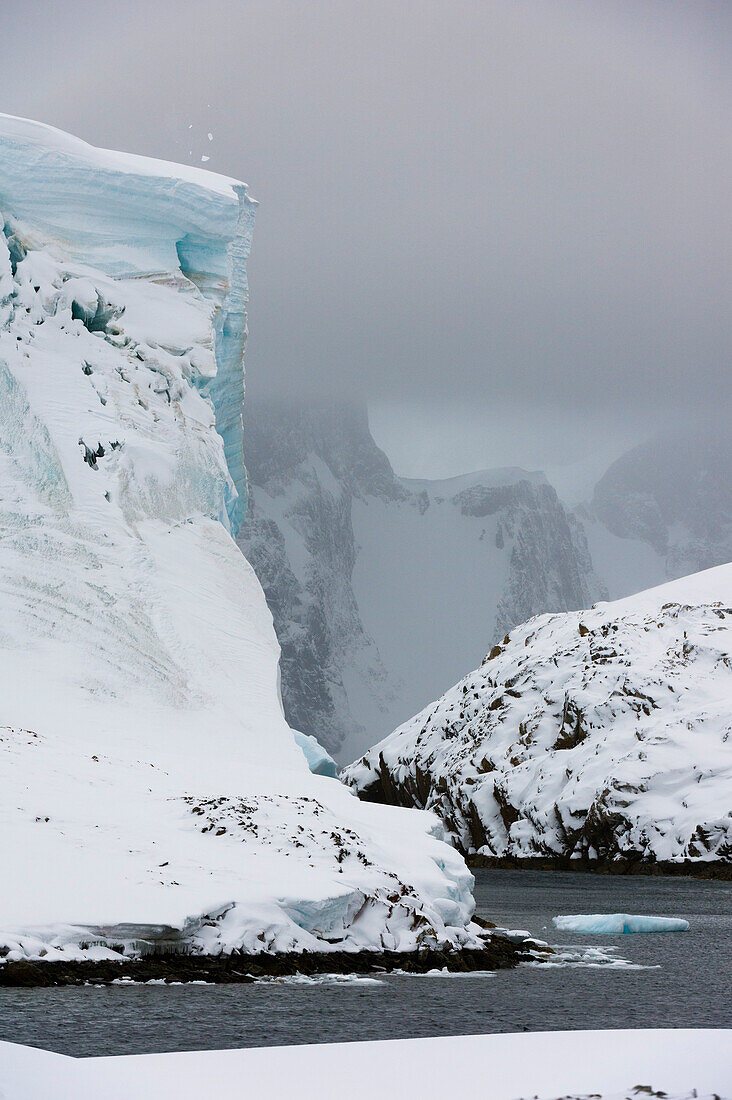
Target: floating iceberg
615	924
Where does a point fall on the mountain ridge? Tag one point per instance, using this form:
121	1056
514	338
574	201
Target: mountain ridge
360	567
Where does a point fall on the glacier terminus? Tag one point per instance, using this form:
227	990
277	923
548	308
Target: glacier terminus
152	794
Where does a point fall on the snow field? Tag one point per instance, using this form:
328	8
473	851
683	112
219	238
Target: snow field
475	1067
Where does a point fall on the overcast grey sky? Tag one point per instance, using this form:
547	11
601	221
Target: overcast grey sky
504	222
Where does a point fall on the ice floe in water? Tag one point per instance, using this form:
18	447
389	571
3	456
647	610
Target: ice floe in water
590	958
320	979
614	924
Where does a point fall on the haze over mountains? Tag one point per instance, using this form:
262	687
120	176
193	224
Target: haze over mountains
384	590
664	509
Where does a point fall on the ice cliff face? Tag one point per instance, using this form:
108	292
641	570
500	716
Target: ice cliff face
151	792
189	228
597	734
384	589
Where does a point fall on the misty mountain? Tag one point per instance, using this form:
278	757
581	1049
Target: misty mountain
383	590
663	509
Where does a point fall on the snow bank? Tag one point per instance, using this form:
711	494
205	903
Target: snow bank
152	796
477	1067
619	923
597	734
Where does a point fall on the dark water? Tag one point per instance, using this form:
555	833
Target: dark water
690	985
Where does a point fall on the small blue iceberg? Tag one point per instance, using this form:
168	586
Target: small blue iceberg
614	924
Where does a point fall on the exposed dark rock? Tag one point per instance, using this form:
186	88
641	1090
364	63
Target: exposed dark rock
572	731
498	953
714	869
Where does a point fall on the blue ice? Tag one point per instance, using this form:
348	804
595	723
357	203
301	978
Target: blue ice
318	759
613	924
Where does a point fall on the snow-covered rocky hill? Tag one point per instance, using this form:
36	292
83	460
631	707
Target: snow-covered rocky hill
384	589
599	734
151	791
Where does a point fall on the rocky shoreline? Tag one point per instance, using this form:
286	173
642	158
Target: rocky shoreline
498	953
711	869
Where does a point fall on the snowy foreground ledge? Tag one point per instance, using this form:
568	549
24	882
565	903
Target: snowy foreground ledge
484	1067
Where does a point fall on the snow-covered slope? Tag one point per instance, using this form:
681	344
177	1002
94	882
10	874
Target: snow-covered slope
682	1064
150	789
383	589
603	733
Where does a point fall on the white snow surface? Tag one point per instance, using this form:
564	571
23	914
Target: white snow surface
614	924
602	733
151	792
674	1063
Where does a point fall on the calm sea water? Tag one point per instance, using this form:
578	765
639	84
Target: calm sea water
653	980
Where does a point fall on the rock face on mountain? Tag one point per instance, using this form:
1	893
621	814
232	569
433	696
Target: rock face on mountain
305	467
597	734
664	509
383	589
152	795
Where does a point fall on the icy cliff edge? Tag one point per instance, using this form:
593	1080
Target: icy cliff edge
133	217
152	795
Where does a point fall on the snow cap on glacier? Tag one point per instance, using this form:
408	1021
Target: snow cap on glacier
132	217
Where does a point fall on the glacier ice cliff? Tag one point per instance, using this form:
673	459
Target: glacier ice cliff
152	794
596	735
132	218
